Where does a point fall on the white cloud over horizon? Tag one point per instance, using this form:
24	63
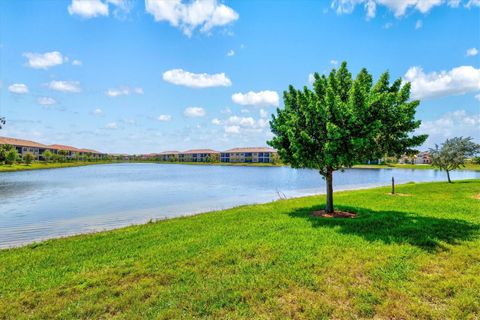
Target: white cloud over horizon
398	7
259	99
65	86
459	80
194	112
451	124
188	16
18	88
472	52
44	60
88	9
196	80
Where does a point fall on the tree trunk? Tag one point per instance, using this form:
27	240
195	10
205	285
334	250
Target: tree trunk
448	176
329	178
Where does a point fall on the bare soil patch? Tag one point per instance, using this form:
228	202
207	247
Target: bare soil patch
399	194
336	214
477	196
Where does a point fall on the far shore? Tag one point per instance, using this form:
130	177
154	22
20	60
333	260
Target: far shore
57	165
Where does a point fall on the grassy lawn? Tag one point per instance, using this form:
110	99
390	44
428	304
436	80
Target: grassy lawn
415	255
468	166
42	165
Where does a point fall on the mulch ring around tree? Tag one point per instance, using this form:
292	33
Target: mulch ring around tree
336	214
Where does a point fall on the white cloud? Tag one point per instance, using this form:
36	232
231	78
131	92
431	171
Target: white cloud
88	8
311	78
46	101
164	117
232	129
398	7
472	3
122	91
241	121
194	112
117	92
261	98
451	124
111	125
231	53
205	14
244	111
44	60
472	52
419	24
459	80
333	62
98	112
65	86
76	62
196	80
216	121
18	88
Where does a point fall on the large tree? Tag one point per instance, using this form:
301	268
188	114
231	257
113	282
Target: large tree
453	153
344	121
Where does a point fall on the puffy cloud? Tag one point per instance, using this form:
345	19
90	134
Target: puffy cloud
76	62
333	62
44	60
241	125
263	113
261	98
472	52
459	80
232	129
205	14
18	88
231	53
196	80
472	3
65	86
164	117
398	7
98	112
111	125
194	112
451	124
46	101
88	8
216	121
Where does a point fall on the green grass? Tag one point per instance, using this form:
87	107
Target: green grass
410	256
43	165
468	166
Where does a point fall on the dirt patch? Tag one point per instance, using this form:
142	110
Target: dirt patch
477	196
336	214
399	194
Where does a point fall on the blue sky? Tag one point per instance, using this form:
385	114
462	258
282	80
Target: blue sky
146	76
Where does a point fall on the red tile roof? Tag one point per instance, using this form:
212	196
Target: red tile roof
21	142
169	152
63	147
253	149
210	151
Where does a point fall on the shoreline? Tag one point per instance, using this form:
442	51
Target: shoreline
40	241
44	166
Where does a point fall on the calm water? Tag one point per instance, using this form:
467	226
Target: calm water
43	204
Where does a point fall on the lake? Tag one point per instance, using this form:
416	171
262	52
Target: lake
43	204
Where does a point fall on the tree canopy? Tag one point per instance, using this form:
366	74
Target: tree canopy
343	121
453	153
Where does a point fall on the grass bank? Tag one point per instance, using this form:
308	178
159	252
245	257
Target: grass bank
415	255
43	165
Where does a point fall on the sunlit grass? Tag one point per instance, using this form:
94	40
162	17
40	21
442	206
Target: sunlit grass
43	165
411	256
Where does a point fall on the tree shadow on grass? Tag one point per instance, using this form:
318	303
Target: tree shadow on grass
427	233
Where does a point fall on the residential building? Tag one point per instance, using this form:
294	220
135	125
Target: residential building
249	155
199	155
25	146
171	156
423	158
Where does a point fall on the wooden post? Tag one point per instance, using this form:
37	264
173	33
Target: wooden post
393	185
